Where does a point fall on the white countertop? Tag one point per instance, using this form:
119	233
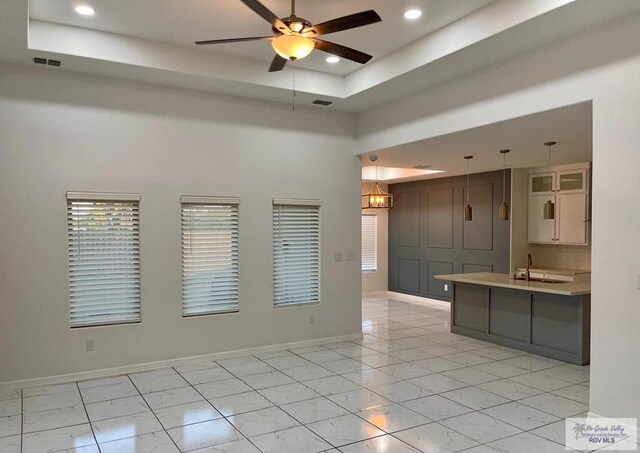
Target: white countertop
506	281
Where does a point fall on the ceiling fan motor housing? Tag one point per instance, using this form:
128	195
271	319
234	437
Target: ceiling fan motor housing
292	22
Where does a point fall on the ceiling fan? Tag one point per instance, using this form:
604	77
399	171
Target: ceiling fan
295	37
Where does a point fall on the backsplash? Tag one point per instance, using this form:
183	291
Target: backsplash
561	256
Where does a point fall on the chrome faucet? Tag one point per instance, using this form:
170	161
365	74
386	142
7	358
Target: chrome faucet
529	264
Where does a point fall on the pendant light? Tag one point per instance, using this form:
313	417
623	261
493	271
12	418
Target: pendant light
468	211
503	209
377	198
549	206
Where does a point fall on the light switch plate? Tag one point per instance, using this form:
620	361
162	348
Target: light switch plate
337	257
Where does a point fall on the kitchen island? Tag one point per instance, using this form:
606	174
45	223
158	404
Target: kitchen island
549	319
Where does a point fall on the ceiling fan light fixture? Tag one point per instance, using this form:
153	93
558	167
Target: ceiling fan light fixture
292	47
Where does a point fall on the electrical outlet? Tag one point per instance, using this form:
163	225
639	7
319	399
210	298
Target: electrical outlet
90	345
446	287
337	257
312	319
351	256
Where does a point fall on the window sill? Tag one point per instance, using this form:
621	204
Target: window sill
302	304
107	324
212	313
369	271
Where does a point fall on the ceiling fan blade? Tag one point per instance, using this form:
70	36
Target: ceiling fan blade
267	15
224	41
345	23
342	51
277	64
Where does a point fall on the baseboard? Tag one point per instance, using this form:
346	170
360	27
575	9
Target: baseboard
109	372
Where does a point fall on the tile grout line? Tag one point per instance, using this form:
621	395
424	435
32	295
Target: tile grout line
215	408
154	414
21	419
319	396
349	411
93	433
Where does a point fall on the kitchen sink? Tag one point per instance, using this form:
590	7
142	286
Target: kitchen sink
541	280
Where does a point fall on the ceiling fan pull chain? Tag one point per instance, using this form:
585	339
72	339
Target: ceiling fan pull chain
293	101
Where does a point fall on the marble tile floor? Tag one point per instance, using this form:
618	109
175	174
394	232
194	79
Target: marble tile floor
408	386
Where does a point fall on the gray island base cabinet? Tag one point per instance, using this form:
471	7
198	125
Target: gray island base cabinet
551	325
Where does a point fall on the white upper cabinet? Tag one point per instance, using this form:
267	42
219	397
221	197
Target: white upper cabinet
542	183
571	220
568	187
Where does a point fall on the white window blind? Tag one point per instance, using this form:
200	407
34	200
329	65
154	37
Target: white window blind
369	242
209	255
104	258
296	252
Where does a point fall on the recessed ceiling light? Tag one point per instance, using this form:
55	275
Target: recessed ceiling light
333	60
412	14
85	10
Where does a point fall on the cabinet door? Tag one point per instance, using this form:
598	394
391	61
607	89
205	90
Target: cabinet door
572	181
540	230
542	183
571	216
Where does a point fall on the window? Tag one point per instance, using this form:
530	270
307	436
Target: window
104	258
296	252
209	255
369	242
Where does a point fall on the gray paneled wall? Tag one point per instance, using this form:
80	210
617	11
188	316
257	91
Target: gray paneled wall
428	236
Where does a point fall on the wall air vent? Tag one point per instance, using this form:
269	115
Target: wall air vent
322	102
56	63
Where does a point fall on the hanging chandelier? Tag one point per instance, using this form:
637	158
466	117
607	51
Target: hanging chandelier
503	209
377	198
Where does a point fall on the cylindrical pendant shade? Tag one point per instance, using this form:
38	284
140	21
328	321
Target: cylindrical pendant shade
468	213
549	210
503	211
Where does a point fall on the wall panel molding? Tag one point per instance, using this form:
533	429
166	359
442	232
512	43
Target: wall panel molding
427	227
440	218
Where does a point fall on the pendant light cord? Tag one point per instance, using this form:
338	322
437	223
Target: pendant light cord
468	180
504	177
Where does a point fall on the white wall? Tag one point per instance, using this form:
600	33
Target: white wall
602	66
61	132
377	281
